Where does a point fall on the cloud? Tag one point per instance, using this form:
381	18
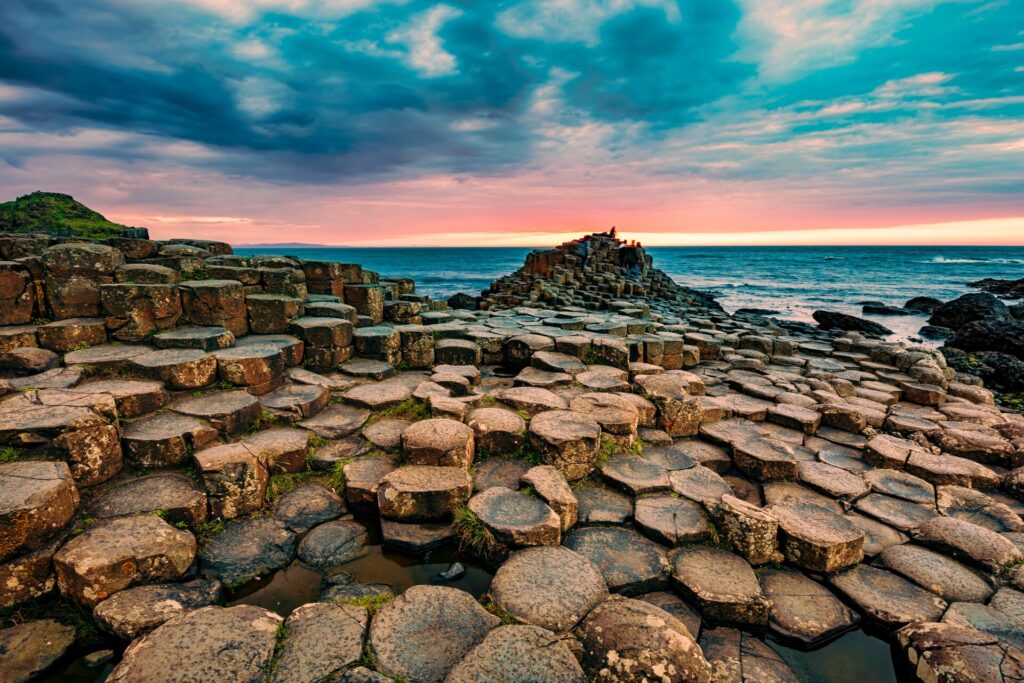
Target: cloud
846	102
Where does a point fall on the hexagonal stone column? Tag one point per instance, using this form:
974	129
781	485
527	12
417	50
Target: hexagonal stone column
550	586
228	644
816	539
639	641
114	555
567	440
235	479
516	519
678	412
219	303
79	428
403	634
379	342
722	584
498	431
231	412
37	499
367	299
72	333
17	297
423	492
272	313
258	367
136	310
165	439
440	442
74	272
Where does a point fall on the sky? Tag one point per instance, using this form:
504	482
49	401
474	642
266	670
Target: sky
525	122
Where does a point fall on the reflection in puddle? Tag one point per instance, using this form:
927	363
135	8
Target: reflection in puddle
856	657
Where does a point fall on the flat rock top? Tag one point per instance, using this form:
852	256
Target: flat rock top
485	420
886	597
437	434
509	510
636	640
165	357
969	541
427	478
29	484
229	644
322	639
147	494
379	394
106	353
532	399
602	505
710	571
519	652
29	648
802	609
307	505
935	572
900	484
559	426
700	484
247	549
132	612
551	587
220	403
629	562
164	426
332	543
386	433
406	632
813	523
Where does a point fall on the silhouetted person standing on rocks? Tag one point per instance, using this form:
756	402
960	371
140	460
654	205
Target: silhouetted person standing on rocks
611	233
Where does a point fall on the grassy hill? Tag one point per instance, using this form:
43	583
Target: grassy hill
57	214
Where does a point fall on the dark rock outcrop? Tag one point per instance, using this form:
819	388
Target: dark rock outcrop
833	320
968	308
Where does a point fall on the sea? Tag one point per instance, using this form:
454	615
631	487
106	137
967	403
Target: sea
792	281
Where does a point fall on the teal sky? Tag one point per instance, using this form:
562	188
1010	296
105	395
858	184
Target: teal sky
349	121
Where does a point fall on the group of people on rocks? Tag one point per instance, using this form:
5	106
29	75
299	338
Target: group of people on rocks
630	255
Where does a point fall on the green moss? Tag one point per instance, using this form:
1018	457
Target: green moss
371	603
500	612
488	401
410	409
1012	400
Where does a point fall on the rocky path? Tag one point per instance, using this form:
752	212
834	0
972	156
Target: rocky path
656	485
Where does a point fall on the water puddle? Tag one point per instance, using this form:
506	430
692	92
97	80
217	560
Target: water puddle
856	657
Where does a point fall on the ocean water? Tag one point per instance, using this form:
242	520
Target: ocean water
795	281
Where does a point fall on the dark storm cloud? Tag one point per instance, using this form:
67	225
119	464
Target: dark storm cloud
315	96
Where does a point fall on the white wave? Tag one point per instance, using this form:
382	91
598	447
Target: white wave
943	259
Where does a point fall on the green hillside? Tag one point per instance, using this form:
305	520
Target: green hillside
57	214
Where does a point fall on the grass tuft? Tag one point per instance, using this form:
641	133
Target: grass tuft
11	454
474	536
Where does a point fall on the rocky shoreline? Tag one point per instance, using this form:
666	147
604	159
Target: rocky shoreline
656	484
